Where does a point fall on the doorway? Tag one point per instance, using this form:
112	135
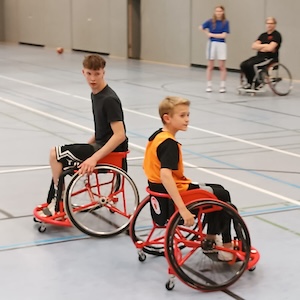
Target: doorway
134	29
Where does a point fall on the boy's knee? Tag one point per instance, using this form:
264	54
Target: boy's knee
52	154
243	65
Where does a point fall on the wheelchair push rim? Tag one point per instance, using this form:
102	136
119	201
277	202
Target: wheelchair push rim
200	270
279	79
101	204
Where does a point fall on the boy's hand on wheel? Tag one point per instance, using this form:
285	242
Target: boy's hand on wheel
188	217
87	167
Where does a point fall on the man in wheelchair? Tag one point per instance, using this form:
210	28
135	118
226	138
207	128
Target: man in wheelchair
109	133
163	166
267	46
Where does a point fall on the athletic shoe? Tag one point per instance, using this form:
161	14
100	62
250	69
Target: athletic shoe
222	89
258	86
225	256
208	246
49	210
247	86
209	89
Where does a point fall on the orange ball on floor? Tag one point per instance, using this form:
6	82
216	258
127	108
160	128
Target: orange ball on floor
59	50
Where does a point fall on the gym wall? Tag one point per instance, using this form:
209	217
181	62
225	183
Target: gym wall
168	28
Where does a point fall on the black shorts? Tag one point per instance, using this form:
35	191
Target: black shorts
73	154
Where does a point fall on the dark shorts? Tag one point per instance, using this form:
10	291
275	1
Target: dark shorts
163	208
73	154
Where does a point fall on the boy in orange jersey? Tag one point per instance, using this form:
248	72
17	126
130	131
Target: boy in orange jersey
163	166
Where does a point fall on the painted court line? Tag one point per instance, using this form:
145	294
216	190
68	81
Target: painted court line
72	124
48	167
157	118
84	236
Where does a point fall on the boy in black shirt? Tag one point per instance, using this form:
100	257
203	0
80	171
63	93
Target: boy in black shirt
109	133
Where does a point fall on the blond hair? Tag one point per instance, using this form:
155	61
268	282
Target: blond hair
168	104
271	19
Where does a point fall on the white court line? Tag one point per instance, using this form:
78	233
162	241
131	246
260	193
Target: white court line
225	136
275	195
157	118
48	167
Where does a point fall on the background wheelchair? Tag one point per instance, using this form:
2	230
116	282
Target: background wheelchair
100	204
183	246
276	76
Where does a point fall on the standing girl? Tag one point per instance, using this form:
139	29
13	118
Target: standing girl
216	29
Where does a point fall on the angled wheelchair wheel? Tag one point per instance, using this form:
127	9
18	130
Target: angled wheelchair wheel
101	204
279	79
146	235
196	267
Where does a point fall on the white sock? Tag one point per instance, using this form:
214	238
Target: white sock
209	83
222	84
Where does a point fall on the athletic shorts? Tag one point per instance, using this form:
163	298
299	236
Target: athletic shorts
216	51
73	154
163	208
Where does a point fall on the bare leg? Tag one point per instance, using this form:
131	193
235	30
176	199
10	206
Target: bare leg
223	73
223	70
209	70
56	167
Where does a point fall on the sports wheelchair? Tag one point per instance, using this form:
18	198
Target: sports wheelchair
183	247
275	75
100	204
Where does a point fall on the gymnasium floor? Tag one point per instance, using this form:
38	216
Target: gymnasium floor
251	145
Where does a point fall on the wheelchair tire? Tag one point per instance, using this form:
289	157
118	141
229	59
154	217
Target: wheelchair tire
141	226
197	268
101	204
279	79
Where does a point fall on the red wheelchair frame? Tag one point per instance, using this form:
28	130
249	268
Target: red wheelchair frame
91	194
179	244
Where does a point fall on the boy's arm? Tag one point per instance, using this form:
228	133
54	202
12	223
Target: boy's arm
116	139
269	47
170	185
257	45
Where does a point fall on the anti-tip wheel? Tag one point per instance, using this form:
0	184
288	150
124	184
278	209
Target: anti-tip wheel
42	228
170	285
142	256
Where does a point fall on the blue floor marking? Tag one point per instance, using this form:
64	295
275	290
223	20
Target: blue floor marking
84	236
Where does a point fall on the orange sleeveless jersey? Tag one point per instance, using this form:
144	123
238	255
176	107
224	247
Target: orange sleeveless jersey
152	164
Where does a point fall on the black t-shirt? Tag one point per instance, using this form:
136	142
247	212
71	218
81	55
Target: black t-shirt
266	38
107	108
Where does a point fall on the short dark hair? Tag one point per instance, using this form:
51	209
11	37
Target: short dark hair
94	62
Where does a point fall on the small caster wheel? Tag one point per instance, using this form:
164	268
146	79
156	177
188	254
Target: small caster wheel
42	228
142	256
170	285
252	269
36	220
